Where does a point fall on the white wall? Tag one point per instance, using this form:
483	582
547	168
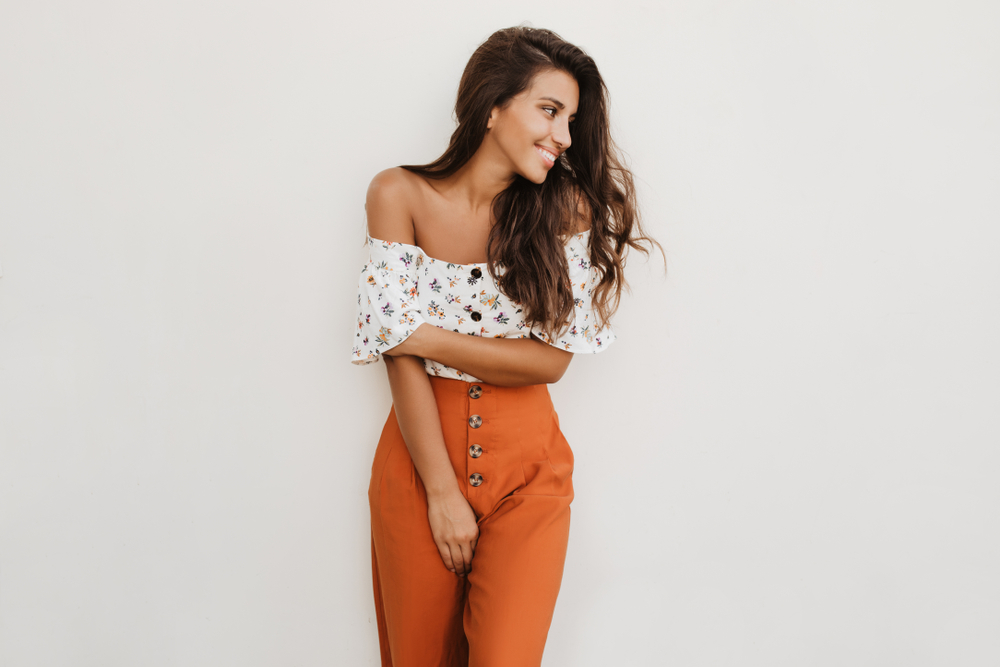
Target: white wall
789	458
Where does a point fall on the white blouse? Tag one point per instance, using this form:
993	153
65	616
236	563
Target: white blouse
400	288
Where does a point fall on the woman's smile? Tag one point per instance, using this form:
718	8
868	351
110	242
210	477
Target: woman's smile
548	156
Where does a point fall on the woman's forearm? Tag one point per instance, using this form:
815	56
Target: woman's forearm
420	424
508	362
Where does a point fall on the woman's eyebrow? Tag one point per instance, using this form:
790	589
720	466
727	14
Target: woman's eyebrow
557	103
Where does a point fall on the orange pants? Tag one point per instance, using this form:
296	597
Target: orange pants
515	468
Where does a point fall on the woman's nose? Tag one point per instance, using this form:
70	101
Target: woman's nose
561	136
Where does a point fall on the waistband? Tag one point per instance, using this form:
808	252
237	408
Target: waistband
455	389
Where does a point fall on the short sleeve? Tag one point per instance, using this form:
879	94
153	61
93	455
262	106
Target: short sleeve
582	334
388	307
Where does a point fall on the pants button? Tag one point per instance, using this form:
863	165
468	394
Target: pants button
475	421
475	391
475	479
475	451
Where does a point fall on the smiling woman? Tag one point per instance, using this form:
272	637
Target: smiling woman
535	115
511	246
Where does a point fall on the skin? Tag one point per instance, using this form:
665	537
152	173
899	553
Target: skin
450	219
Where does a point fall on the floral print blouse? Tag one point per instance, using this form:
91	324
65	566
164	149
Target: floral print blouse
401	288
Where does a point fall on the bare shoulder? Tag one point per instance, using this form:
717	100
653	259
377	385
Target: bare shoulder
388	205
581	222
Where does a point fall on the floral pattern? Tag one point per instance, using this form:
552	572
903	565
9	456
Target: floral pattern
460	297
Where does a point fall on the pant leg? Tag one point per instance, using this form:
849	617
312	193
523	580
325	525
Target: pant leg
418	602
515	579
523	503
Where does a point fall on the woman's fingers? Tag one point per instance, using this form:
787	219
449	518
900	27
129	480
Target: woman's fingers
445	552
453	525
467	555
461	566
461	555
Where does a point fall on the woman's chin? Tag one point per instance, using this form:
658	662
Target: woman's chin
537	178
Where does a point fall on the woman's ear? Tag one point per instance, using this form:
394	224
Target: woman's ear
491	119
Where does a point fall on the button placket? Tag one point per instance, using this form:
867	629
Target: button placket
475	423
479	473
476	274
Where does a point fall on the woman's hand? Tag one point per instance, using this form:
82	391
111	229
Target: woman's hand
454	528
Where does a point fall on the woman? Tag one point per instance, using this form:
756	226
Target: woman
511	245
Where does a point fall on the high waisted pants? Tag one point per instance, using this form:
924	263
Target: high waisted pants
515	468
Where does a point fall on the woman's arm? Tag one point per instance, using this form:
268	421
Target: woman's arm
506	362
453	523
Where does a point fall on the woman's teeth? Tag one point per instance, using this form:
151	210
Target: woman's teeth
545	154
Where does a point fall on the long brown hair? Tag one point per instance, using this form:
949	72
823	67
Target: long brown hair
530	218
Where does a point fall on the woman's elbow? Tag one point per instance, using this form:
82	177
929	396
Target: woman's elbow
558	368
395	364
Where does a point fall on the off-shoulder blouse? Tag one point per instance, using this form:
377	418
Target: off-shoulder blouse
401	287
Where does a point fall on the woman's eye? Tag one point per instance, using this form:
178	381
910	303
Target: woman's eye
552	109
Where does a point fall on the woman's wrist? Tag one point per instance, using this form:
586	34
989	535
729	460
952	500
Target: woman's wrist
442	490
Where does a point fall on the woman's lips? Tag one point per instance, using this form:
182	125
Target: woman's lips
548	157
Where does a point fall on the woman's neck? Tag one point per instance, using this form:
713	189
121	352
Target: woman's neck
478	181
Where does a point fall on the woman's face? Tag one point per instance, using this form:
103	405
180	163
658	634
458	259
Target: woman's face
533	129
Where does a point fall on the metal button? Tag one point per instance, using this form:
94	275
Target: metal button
475	479
476	273
475	391
475	451
476	316
475	421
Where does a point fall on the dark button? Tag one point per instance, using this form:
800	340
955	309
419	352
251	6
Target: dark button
475	391
475	421
475	451
475	479
476	273
476	316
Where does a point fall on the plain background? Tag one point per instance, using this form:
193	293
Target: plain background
789	457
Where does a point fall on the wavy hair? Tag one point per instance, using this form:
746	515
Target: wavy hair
530	219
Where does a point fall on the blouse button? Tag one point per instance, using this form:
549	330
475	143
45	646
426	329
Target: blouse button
475	479
475	391
476	273
475	451
476	316
475	421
